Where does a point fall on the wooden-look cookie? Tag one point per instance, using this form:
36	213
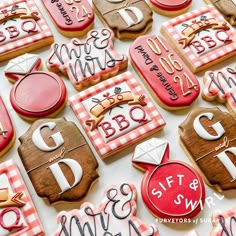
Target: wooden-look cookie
58	160
208	137
127	18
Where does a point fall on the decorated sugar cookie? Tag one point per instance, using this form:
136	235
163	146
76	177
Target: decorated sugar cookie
172	82
88	62
72	18
202	37
208	137
116	215
224	223
22	28
191	233
7	134
220	85
35	93
58	160
127	18
170	189
116	113
18	215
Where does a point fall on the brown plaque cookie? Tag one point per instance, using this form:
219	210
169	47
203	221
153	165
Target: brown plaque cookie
127	18
208	137
58	160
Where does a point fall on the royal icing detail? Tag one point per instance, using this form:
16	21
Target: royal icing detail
213	131
115	113
32	96
21	27
220	85
170	189
18	215
70	15
127	18
61	165
224	223
172	81
202	36
86	63
6	129
116	215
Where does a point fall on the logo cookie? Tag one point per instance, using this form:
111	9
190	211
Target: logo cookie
170	189
214	131
116	215
116	113
58	160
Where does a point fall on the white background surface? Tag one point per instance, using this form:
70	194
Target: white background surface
118	168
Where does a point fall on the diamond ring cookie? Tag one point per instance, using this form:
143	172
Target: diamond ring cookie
22	28
18	215
116	113
35	93
202	37
116	215
87	63
73	18
172	83
170	189
58	160
208	137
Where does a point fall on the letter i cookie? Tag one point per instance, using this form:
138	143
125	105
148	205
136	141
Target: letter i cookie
58	160
116	215
208	136
18	215
220	85
116	113
22	28
7	133
202	37
170	189
35	93
73	18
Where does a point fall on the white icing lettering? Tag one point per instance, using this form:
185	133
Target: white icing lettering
179	197
169	180
158	193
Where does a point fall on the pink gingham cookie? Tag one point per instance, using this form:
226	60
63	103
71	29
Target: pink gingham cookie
18	215
116	113
116	215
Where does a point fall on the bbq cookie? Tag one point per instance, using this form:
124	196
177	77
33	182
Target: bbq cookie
127	18
87	63
202	37
58	160
72	18
22	28
116	215
208	137
172	83
35	93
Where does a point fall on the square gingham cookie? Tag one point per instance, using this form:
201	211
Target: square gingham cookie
116	113
17	211
203	37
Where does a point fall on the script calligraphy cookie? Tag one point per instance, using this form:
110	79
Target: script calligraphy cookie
18	215
170	189
86	63
127	18
58	160
224	223
116	113
208	137
22	28
172	82
220	85
202	37
116	215
7	133
35	93
73	18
